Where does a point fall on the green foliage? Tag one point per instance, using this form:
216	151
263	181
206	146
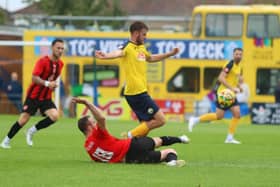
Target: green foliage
82	8
116	11
2	17
59	159
264	2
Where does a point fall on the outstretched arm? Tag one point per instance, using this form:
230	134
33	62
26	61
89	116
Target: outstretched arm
159	57
94	110
111	55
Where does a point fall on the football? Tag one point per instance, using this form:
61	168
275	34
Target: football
226	97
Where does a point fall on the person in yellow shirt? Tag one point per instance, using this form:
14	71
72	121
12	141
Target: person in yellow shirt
228	78
134	57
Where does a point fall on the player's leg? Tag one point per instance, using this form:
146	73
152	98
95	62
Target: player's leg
141	130
141	150
49	109
30	107
169	140
233	124
145	126
23	119
171	158
206	118
158	120
147	112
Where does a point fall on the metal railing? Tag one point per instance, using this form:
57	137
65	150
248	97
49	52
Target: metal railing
45	22
106	18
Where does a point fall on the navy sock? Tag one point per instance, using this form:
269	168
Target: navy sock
169	140
170	156
44	123
14	129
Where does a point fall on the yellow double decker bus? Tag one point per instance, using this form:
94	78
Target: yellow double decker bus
214	32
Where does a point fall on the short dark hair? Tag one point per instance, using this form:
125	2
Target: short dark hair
56	40
237	49
137	26
82	123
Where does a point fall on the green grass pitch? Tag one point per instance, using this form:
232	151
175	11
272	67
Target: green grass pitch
59	159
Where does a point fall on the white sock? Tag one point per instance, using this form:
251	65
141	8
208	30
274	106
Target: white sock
129	135
33	129
6	139
196	119
229	136
171	163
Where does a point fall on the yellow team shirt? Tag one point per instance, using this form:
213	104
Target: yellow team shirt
233	71
134	65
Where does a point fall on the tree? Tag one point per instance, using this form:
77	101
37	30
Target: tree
80	8
2	17
115	11
271	2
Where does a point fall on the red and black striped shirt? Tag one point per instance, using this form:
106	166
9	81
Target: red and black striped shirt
47	70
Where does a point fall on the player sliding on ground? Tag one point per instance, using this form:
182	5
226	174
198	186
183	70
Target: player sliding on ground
103	147
134	57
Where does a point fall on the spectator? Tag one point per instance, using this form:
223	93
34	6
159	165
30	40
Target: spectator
1	80
1	84
243	96
14	91
277	92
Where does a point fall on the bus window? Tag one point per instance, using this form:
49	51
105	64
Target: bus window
224	25
210	77
263	25
196	28
185	80
106	75
267	81
72	74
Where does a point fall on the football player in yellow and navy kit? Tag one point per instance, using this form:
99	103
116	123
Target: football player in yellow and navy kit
228	78
134	57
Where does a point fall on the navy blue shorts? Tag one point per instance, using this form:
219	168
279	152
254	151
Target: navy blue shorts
143	106
32	105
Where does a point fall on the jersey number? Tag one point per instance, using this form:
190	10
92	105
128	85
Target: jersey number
102	155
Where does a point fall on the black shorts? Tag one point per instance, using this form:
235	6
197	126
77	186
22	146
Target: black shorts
142	150
143	106
32	105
